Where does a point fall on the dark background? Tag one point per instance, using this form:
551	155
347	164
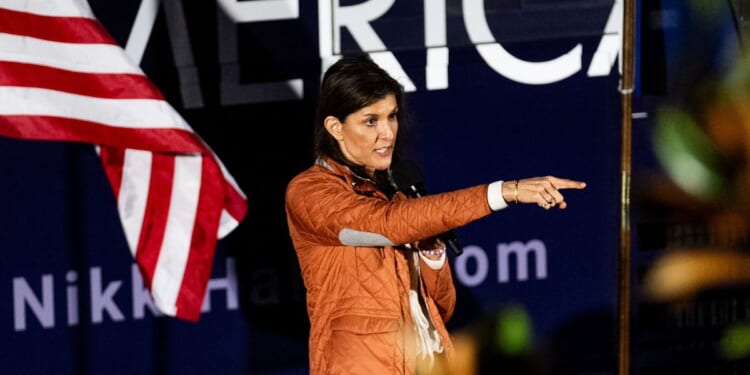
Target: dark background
59	220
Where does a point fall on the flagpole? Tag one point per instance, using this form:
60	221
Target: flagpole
626	91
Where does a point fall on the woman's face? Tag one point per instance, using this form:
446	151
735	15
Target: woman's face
367	136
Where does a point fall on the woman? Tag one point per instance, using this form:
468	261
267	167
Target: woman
379	288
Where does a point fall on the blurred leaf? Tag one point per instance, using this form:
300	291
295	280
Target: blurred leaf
688	156
735	343
680	274
513	330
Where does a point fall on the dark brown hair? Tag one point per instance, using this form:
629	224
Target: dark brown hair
351	83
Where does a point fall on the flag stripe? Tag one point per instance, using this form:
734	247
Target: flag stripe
155	218
91	58
179	229
46	128
235	205
133	194
113	160
227	223
71	8
199	262
79	30
103	85
125	113
235	201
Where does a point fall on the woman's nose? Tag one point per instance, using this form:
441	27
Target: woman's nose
385	130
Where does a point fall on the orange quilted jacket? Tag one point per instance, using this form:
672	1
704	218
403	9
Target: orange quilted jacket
349	239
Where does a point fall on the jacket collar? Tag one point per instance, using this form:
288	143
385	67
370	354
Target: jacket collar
362	185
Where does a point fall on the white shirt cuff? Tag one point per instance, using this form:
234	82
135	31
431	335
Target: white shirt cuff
495	196
435	264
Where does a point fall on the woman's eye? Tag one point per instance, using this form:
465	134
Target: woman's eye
371	122
393	116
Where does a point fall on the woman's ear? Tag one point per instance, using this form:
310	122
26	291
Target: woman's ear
333	125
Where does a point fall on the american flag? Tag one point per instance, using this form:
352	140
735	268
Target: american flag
64	78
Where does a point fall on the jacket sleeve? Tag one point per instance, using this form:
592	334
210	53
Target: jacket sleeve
440	288
322	205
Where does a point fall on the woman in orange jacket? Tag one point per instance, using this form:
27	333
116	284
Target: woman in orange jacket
379	288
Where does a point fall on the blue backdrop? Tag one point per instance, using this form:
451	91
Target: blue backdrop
62	239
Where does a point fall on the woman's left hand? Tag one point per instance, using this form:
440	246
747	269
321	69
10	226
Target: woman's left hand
544	191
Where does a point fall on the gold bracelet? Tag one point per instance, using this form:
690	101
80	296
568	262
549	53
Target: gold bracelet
515	193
